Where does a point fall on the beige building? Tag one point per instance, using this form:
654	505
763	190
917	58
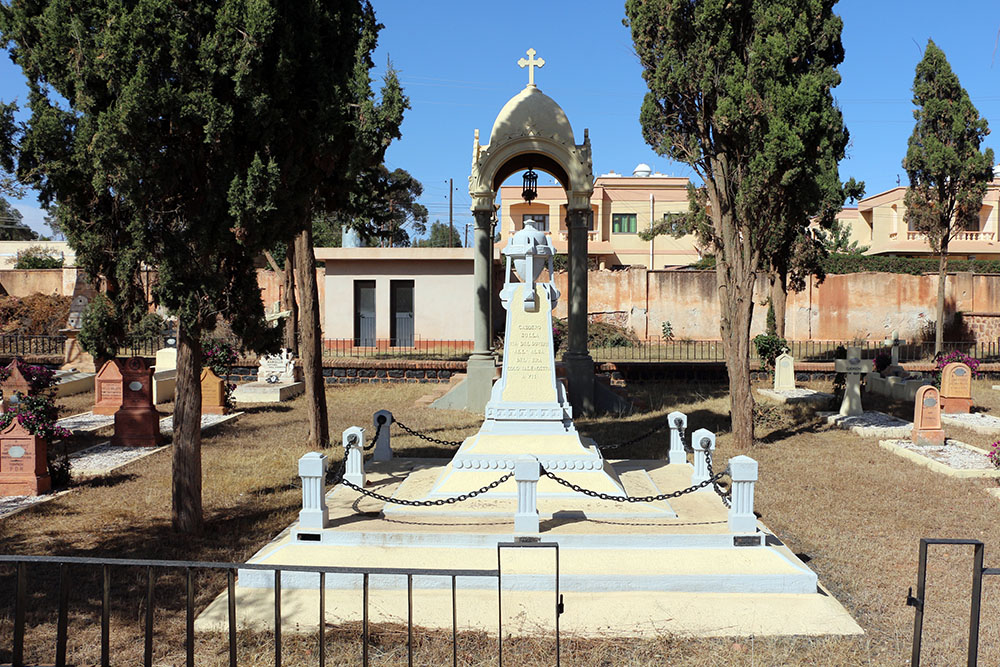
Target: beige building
396	297
622	206
879	222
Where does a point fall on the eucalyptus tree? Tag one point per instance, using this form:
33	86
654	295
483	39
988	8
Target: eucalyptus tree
742	92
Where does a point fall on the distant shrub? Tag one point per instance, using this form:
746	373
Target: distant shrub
769	346
667	331
95	335
599	334
38	257
882	361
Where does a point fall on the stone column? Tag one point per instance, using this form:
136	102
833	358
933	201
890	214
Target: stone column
481	366
382	422
312	470
526	474
743	470
579	365
354	455
678	424
703	442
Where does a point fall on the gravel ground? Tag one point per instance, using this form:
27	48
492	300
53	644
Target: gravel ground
12	504
102	458
871	424
953	454
975	421
86	422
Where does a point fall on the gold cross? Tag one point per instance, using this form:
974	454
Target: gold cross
531	63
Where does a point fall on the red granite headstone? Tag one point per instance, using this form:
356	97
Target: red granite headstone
137	423
956	388
108	388
927	417
15	383
213	393
23	462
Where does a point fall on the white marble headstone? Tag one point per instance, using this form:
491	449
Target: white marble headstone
784	372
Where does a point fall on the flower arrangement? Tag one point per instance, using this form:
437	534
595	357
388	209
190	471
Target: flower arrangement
220	356
994	454
957	356
37	413
882	361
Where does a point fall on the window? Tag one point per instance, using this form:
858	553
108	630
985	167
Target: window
541	221
623	223
675	224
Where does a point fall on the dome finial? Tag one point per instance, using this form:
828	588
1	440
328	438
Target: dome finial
531	63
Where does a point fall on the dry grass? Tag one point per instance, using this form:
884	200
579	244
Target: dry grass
857	511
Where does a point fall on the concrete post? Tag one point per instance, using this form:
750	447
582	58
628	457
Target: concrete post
481	366
743	471
312	470
703	442
354	455
383	449
526	474
678	424
579	364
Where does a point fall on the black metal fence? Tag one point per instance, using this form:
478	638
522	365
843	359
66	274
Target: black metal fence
22	345
27	598
407	346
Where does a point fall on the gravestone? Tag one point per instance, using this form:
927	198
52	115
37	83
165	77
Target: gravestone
137	423
927	417
854	367
894	368
165	375
784	372
108	388
77	308
213	393
956	388
15	384
278	379
23	462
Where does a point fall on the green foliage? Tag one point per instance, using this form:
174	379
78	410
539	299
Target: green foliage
36	314
12	226
38	257
770	327
100	332
220	355
150	327
837	240
768	347
441	236
9	187
666	331
882	360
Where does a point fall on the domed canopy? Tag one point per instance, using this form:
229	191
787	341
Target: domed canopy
532	112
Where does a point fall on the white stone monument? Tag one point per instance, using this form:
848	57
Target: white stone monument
165	375
784	372
894	368
278	379
854	367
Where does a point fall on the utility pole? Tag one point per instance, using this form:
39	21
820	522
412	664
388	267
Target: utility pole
451	218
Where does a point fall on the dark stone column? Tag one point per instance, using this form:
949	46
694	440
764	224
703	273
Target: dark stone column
482	366
579	365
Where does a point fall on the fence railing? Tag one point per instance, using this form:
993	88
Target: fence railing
154	568
406	346
20	344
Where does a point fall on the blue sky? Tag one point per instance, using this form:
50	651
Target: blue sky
458	64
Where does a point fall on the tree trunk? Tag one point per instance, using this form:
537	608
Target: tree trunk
311	350
942	278
779	300
288	302
736	308
187	513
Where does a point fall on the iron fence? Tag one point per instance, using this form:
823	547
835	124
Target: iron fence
405	346
21	345
153	568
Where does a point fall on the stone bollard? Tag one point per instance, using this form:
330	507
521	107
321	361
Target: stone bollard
678	424
312	470
526	473
703	442
354	455
743	471
383	450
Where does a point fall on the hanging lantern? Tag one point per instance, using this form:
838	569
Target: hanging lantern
530	191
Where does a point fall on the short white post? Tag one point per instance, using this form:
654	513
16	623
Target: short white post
354	455
526	474
678	424
703	442
312	470
383	450
743	471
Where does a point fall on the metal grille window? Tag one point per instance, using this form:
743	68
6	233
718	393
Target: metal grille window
623	223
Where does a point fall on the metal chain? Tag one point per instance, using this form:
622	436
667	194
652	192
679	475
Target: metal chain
642	436
726	497
428	503
436	441
371	445
636	499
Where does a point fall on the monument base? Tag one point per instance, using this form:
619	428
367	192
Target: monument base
26	485
954	406
928	437
265	392
137	427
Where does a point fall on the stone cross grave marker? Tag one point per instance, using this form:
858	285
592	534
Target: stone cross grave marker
784	372
893	343
137	423
956	388
854	367
23	462
213	393
927	417
15	383
108	388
